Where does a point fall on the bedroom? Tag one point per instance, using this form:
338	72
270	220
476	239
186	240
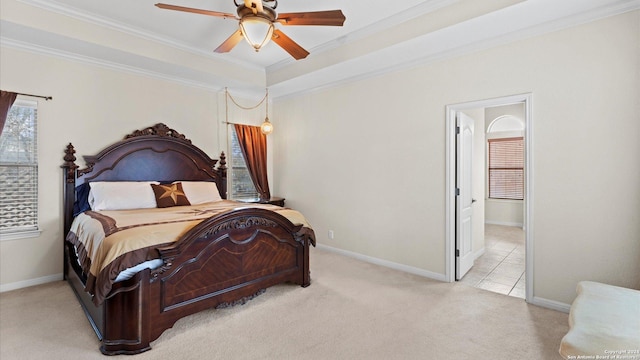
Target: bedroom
381	138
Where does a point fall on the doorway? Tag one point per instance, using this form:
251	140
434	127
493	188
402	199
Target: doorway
453	190
501	266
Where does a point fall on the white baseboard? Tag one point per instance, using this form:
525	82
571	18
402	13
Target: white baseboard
538	301
385	263
478	253
30	282
503	223
550	304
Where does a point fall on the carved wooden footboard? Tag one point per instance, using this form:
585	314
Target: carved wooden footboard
224	260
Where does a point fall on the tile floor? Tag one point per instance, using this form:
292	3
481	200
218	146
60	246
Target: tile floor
501	268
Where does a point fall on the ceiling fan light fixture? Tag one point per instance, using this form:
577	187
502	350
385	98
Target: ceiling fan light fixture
256	24
256	30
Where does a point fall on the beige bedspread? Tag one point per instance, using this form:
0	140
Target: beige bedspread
604	323
108	242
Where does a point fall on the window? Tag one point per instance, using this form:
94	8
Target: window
241	184
19	170
506	168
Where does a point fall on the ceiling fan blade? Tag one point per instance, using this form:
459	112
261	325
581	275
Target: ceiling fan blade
255	5
230	43
197	11
328	18
289	45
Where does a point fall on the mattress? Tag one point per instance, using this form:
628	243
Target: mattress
128	273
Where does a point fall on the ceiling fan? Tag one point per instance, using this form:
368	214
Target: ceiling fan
256	24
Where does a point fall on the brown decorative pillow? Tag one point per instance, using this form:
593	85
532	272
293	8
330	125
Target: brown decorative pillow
169	195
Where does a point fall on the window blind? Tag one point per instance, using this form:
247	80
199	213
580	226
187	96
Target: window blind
506	168
19	169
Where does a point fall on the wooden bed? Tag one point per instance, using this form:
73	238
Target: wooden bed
225	260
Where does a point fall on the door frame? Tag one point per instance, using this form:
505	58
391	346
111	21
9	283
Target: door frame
450	203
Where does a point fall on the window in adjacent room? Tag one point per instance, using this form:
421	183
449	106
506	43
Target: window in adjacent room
506	168
241	184
505	159
19	171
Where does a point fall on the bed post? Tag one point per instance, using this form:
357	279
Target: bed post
127	317
68	193
306	237
221	179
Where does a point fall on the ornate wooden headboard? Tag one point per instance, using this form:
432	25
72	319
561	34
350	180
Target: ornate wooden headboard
154	153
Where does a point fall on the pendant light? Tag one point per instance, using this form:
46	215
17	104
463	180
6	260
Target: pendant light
266	126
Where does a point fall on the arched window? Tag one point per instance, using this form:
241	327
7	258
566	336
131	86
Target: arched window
505	123
506	158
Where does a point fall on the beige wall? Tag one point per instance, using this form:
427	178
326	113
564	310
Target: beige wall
367	159
91	107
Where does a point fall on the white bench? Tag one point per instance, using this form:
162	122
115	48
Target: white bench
604	323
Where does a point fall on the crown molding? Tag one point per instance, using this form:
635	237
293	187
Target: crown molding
248	92
378	27
56	7
368	66
61	54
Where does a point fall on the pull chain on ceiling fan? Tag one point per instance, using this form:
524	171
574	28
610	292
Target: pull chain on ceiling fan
256	24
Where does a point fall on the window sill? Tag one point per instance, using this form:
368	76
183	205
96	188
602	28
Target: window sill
19	235
503	200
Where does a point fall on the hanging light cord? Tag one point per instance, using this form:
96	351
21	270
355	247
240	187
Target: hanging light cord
249	107
266	126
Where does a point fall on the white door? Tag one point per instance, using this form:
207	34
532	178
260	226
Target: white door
464	200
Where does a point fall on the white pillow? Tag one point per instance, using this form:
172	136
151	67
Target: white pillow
121	195
200	192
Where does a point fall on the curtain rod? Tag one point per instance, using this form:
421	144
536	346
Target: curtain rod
232	123
47	98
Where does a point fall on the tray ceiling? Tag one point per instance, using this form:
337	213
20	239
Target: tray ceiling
377	36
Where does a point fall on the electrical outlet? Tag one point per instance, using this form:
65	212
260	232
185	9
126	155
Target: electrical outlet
331	234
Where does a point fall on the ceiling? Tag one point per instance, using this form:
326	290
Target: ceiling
205	33
378	36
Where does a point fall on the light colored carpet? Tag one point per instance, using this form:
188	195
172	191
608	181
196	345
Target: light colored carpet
352	310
